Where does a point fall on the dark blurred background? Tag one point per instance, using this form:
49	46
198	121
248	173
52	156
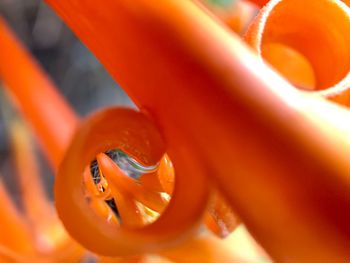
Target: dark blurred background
80	77
76	72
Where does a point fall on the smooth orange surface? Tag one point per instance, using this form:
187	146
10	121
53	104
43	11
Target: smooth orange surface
290	64
279	157
8	256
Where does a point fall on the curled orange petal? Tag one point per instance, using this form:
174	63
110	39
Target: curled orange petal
120	128
125	185
307	42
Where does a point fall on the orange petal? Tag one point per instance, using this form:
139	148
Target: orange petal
120	185
220	218
166	174
110	129
38	209
312	51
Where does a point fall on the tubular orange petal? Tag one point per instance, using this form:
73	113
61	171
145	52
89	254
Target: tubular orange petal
126	185
309	48
120	188
37	208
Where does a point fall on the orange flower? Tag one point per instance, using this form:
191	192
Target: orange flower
278	156
270	149
125	189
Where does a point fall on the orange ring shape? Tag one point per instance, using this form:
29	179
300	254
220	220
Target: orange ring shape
308	43
135	134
